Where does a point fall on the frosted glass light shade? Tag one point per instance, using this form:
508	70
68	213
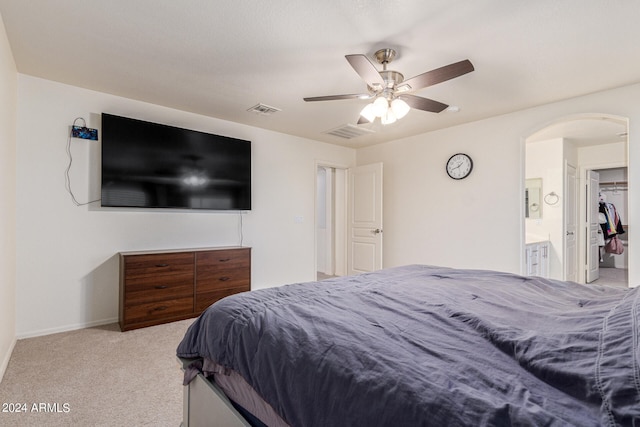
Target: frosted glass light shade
380	106
367	113
388	118
399	108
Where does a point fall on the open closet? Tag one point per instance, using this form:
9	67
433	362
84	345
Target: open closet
613	214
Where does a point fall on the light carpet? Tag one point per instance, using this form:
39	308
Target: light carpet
95	377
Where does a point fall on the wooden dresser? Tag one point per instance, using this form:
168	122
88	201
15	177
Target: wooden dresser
164	286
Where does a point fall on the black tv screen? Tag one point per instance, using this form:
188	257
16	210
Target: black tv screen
149	165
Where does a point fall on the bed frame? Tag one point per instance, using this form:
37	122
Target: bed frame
205	404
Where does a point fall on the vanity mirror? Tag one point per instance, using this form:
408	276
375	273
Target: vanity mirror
533	198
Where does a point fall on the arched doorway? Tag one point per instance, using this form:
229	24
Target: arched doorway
559	157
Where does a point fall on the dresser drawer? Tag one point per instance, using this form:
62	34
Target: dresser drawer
223	279
228	268
205	299
168	285
141	267
149	278
158	289
158	310
232	258
221	273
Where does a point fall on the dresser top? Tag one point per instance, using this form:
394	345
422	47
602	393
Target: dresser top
171	251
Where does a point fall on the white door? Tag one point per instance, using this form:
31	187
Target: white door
571	225
593	226
365	225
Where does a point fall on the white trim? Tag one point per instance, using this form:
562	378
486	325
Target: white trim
523	223
329	254
67	328
576	218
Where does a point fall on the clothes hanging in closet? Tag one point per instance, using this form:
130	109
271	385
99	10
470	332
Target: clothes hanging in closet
612	226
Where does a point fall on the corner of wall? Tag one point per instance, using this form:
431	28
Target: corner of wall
5	360
8	131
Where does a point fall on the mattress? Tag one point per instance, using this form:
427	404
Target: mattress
431	346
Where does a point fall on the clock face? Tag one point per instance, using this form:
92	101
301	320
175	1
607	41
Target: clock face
459	166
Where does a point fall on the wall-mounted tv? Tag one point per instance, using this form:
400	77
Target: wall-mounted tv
149	165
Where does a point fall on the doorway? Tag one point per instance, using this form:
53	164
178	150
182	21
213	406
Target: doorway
331	221
566	150
608	206
348	219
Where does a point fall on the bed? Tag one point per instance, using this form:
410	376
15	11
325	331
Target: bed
419	346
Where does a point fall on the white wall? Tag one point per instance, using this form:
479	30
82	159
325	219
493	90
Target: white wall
67	268
430	218
66	255
545	159
8	105
603	156
478	222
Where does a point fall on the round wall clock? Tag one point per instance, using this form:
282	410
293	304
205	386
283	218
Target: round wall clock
459	166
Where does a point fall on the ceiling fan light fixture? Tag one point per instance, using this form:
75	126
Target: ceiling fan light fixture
388	118
368	113
399	108
389	91
380	106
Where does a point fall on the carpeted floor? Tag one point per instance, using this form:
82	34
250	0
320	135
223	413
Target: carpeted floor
95	377
613	277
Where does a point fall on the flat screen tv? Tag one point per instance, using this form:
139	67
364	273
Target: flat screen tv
149	165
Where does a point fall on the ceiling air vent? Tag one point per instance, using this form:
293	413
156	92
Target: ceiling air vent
263	109
349	131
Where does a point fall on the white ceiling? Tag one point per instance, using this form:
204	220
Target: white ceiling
219	58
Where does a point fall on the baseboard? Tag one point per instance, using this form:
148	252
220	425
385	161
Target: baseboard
7	357
67	328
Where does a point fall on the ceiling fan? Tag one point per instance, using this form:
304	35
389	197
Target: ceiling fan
391	94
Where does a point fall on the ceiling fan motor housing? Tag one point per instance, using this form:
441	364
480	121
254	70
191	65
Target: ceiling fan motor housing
391	78
384	56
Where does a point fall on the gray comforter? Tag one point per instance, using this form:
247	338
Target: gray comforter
432	346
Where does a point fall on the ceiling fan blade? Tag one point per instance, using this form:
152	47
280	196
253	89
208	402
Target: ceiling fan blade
425	104
366	70
338	97
436	76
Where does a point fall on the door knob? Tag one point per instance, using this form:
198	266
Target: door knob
376	231
569	233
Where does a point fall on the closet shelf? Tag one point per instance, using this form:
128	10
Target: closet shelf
613	185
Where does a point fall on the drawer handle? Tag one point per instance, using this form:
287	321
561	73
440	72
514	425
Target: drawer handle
161	308
162	265
224	279
225	260
161	287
